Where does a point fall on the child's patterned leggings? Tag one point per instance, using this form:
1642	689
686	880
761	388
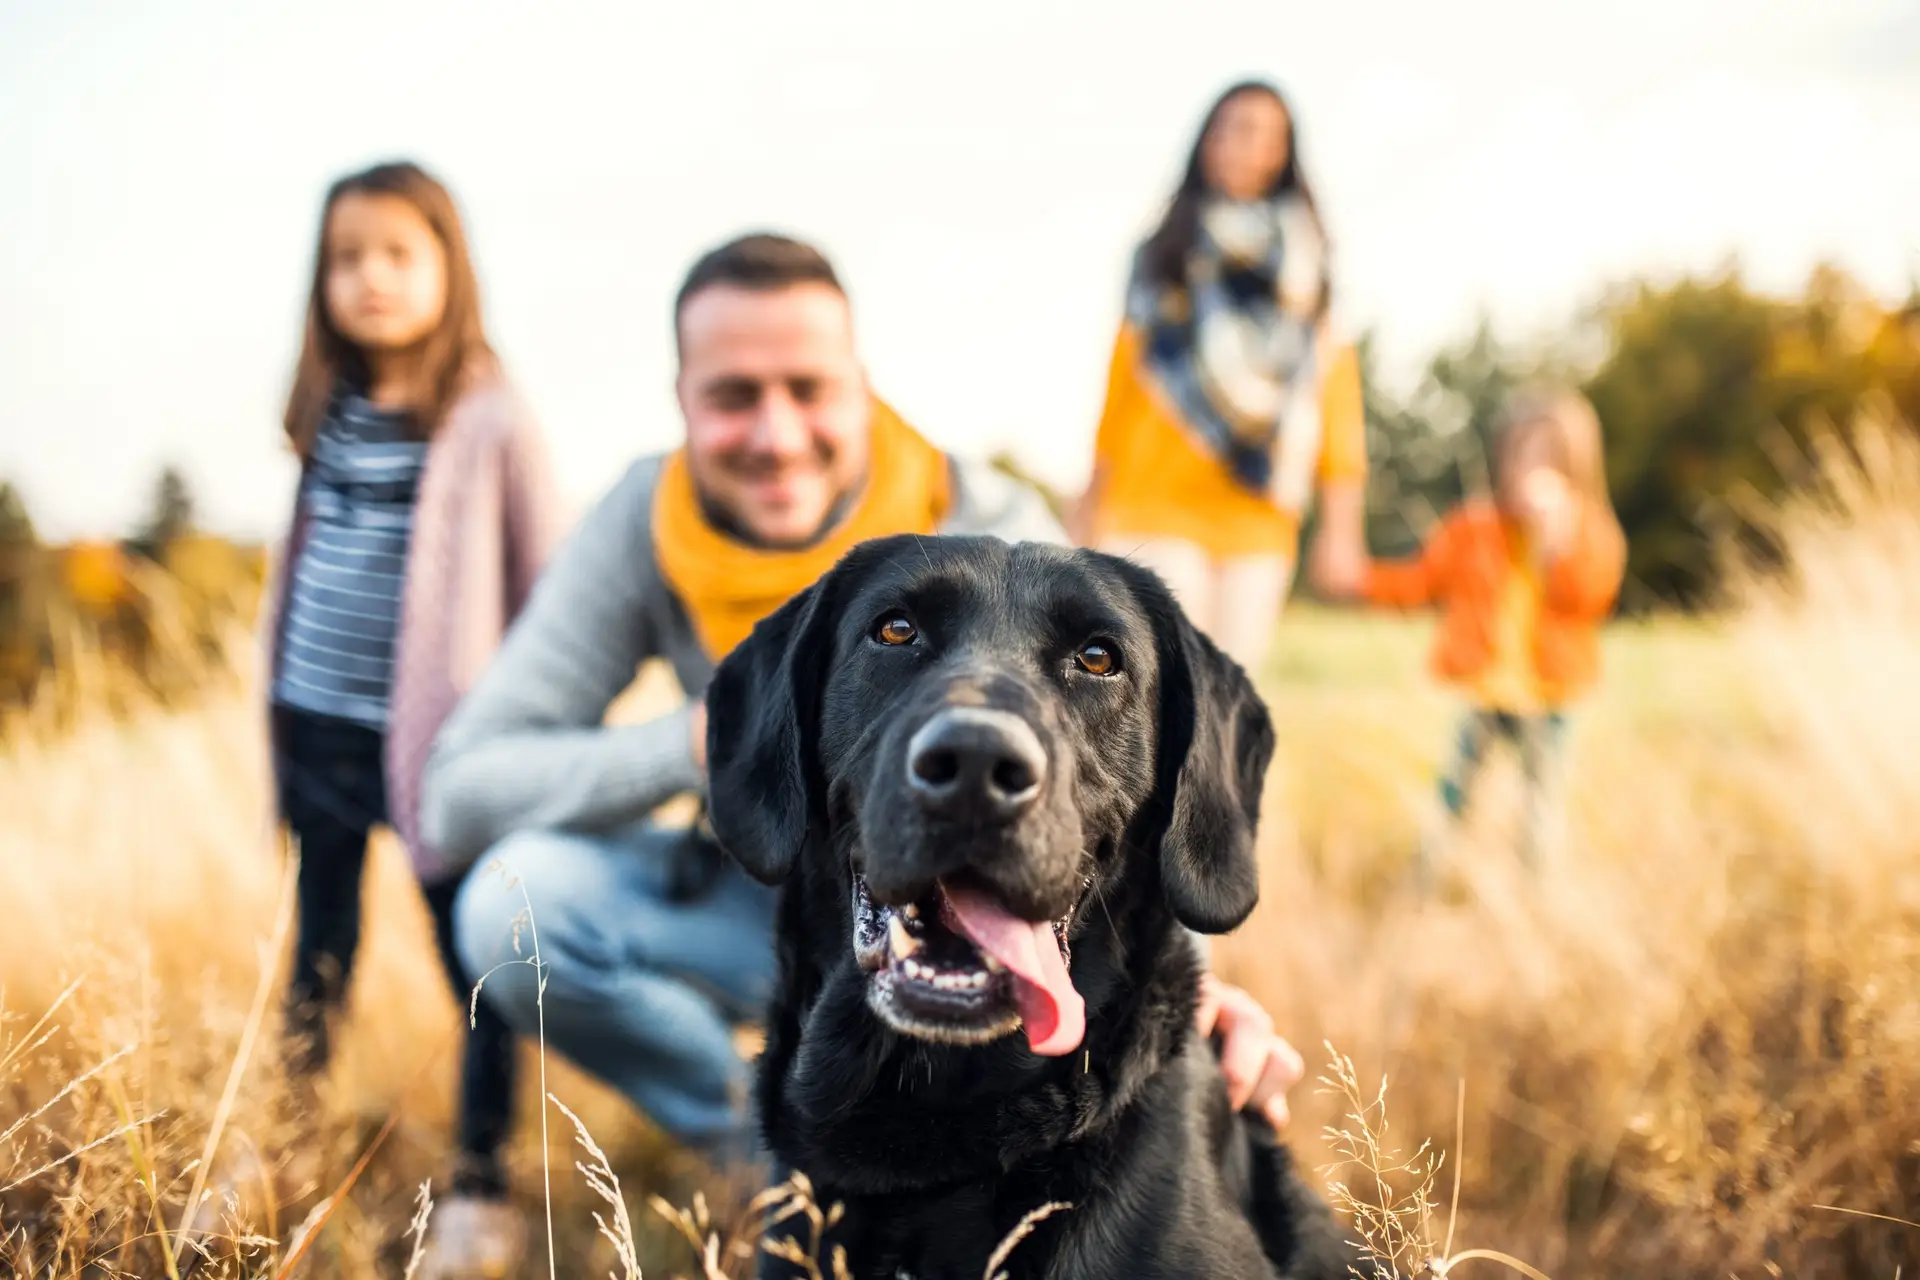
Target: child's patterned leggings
1538	740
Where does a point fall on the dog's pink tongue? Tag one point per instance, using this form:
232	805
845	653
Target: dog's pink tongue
1053	1012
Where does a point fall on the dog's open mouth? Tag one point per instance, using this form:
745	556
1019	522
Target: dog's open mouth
959	968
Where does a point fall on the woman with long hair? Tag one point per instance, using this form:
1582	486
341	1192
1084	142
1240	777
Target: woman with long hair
1230	395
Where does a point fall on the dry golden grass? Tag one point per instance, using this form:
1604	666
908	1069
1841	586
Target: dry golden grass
1705	1022
1676	1047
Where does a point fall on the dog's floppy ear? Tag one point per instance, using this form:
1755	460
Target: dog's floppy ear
1216	741
763	786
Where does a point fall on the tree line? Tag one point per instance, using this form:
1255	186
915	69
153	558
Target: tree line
1710	393
118	620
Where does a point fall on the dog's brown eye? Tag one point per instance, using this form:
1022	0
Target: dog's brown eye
1098	658
895	630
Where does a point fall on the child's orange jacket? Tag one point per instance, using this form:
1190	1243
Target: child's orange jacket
1464	568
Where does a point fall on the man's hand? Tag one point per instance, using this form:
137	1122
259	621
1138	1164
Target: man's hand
697	733
1259	1066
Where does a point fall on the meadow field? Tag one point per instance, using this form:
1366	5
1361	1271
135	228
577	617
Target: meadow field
1690	1047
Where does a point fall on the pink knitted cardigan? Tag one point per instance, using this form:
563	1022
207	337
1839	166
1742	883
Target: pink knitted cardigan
486	518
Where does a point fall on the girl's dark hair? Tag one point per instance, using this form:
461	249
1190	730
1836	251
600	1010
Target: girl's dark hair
456	351
1172	240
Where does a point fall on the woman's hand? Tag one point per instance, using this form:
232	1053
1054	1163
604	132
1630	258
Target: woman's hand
1337	561
1076	520
1259	1065
1079	515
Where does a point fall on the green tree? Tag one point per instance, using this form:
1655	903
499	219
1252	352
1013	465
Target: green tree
170	516
1895	358
16	525
1708	393
21	562
1431	450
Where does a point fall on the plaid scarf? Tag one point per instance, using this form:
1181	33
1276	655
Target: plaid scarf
1232	347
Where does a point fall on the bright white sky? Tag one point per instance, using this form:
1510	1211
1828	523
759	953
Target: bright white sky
977	170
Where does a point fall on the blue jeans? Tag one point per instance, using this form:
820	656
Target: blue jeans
1540	741
648	968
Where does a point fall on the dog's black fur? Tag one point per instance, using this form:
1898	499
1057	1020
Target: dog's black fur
1144	823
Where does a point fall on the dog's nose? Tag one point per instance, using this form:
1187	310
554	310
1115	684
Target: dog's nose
972	760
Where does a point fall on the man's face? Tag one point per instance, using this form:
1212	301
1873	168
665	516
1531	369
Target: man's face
776	406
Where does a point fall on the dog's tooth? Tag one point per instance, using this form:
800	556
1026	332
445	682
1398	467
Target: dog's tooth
899	941
993	965
911	911
979	980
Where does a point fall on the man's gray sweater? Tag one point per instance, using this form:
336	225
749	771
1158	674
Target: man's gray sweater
527	747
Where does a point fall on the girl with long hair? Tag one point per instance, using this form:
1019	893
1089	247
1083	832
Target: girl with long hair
425	509
1523	579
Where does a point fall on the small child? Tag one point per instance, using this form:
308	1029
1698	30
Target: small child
425	510
1523	583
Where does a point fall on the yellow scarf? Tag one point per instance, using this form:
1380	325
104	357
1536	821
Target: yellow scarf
727	586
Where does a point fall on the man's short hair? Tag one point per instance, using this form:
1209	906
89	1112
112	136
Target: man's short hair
762	262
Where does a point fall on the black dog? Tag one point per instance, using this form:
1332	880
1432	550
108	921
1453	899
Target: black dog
1001	784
